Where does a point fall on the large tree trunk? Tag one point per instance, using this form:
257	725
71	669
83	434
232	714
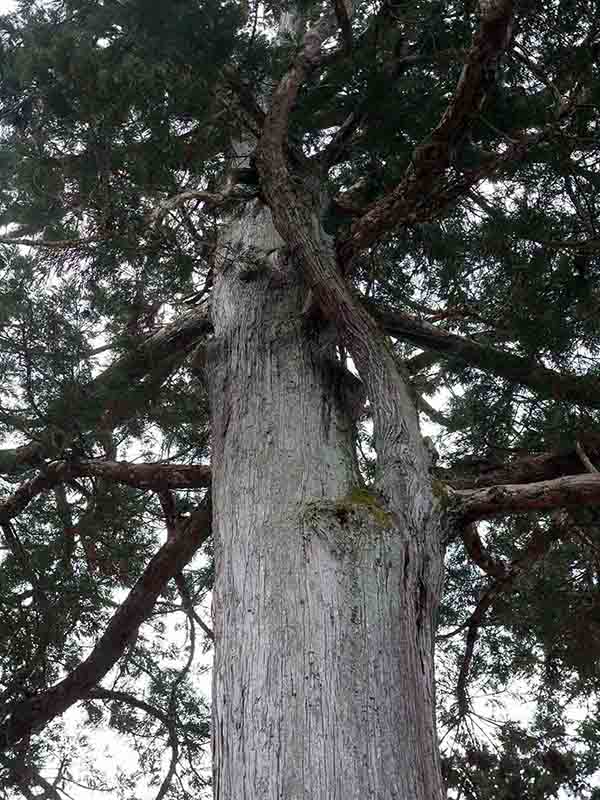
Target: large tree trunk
324	599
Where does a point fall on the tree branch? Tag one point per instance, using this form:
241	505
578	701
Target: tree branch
572	490
49	244
479	554
113	392
523	469
585	459
188	605
147	475
538	545
582	389
141	476
434	155
32	714
114	695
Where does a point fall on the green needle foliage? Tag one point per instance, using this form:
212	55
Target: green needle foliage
110	107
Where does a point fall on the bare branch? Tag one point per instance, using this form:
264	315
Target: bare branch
32	714
147	475
434	415
585	458
341	138
49	244
189	606
583	246
569	491
479	554
284	97
521	469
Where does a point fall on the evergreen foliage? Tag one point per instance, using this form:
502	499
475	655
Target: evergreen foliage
111	107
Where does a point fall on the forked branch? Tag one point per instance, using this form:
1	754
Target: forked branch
296	213
434	155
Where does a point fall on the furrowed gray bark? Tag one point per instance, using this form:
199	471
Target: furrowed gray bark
324	598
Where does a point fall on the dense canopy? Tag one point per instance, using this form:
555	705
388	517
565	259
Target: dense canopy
459	153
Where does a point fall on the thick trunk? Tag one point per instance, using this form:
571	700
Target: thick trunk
324	601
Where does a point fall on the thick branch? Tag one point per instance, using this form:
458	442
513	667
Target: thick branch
49	244
296	213
147	476
581	389
32	714
119	391
433	156
523	469
569	491
141	476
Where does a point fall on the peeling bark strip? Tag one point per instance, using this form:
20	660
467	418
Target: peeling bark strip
581	389
32	714
573	490
433	156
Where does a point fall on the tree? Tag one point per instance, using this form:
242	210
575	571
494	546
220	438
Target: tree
244	260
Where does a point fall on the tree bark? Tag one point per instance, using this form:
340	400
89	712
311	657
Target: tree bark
325	598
